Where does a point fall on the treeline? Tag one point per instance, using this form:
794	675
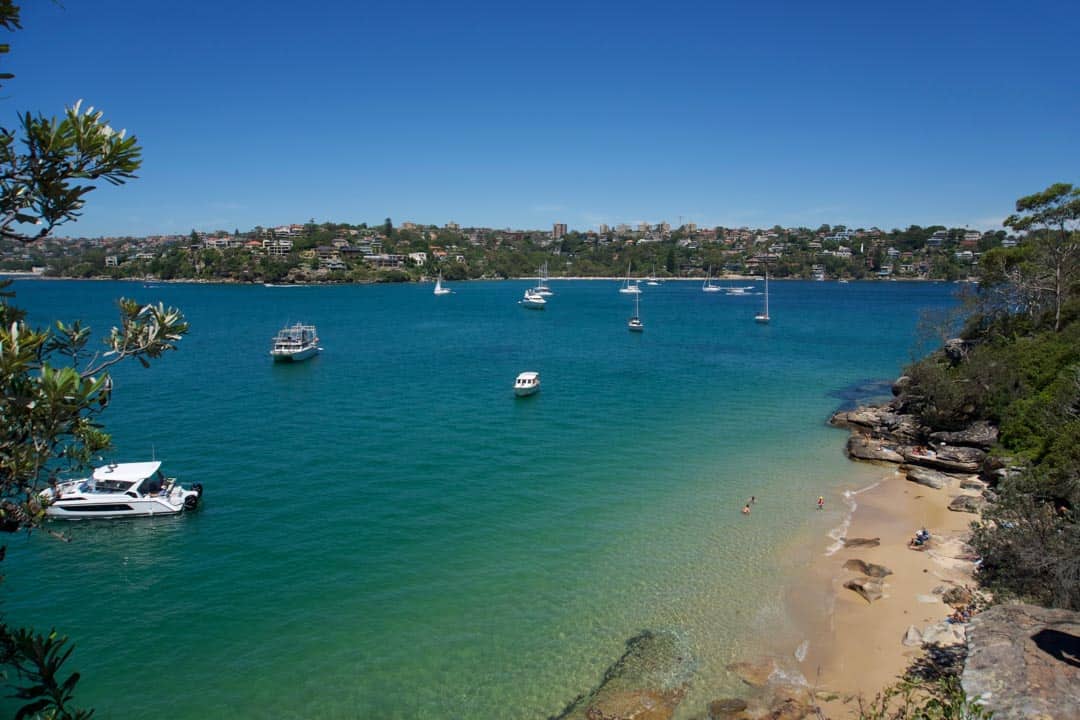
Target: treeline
1017	365
475	254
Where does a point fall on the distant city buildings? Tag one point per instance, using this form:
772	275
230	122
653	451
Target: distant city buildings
558	230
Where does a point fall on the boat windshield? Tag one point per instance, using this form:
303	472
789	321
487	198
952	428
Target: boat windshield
105	486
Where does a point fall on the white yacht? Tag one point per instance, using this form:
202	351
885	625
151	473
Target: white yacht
635	324
542	288
629	287
295	343
533	300
121	490
439	289
652	279
527	383
707	286
763	316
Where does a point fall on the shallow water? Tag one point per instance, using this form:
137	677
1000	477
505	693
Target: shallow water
387	532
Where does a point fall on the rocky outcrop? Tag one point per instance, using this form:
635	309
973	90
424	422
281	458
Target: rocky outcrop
950	459
870	589
647	683
865	568
979	434
861	447
944	634
754	674
913	637
925	476
1024	662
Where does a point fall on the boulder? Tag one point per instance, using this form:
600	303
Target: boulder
972	483
900	385
790	709
912	638
944	634
863	448
1024	662
870	589
924	476
980	434
865	568
860	542
967	503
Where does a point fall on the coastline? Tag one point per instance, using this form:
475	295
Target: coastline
855	648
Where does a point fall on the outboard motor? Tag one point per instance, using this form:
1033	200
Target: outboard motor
192	501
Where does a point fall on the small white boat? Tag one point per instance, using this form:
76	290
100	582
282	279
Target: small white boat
527	383
629	287
635	324
121	490
763	316
533	300
295	343
439	289
652	279
707	286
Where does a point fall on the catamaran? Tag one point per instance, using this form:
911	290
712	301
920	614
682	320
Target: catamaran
120	490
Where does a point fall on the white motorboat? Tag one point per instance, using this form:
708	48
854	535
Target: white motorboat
527	383
635	324
295	343
707	286
121	490
533	300
763	316
439	289
629	287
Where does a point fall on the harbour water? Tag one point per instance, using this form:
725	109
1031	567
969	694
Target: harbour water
387	532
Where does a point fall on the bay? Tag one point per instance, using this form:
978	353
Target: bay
387	532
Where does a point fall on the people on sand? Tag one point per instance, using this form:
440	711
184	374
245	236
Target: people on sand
820	502
746	509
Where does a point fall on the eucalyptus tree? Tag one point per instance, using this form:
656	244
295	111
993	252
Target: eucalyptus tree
1052	217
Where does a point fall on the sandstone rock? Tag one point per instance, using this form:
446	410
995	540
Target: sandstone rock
726	708
949	458
972	484
629	705
869	588
967	503
790	710
755	674
864	448
1024	662
944	633
861	542
980	434
912	638
865	568
925	476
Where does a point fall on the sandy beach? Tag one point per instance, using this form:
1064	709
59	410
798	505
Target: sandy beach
857	648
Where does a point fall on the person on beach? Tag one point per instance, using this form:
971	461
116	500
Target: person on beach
820	502
746	509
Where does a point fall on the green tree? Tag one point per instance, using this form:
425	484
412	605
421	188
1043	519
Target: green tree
1056	211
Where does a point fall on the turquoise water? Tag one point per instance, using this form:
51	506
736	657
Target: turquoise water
388	533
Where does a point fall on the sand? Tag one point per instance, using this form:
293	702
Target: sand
855	646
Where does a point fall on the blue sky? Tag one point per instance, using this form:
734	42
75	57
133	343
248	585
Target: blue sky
521	114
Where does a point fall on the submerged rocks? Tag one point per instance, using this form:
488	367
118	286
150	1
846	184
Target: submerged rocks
647	683
870	589
860	542
726	708
754	674
865	568
1024	662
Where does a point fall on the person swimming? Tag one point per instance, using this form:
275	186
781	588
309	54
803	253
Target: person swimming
746	509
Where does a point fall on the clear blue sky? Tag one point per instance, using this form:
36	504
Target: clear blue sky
527	113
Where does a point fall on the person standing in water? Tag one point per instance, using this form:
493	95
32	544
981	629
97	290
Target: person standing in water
820	502
746	509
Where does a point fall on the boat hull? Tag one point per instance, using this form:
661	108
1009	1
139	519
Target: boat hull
526	391
297	356
117	508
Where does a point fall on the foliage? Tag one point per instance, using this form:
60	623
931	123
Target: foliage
942	699
37	660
